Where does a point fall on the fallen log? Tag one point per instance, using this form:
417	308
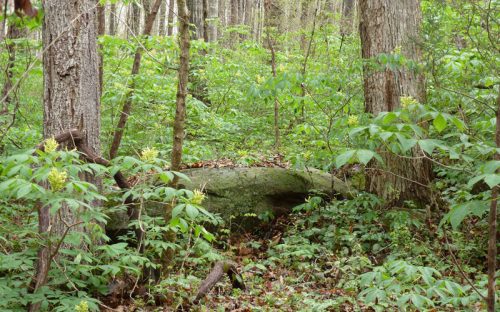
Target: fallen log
220	268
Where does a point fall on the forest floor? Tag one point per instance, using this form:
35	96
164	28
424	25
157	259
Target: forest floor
271	284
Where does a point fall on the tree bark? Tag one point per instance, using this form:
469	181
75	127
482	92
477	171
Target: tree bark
183	74
386	25
170	26
13	33
195	8
216	274
127	106
205	21
213	10
234	20
134	19
71	100
112	19
347	16
101	31
163	16
492	241
222	18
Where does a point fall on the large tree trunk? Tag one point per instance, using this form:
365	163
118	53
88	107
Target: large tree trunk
71	63
384	26
71	98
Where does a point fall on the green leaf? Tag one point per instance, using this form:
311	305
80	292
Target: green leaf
191	211
364	156
440	123
177	210
427	145
459	212
23	190
344	158
386	135
389	117
406	144
492	179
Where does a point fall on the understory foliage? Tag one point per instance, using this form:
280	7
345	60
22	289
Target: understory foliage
329	254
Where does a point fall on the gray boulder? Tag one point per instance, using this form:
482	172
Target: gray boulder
255	190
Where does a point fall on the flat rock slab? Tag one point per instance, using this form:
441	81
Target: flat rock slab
255	190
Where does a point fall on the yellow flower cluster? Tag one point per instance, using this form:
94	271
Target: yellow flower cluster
259	79
406	101
51	145
149	154
83	306
198	197
353	120
57	179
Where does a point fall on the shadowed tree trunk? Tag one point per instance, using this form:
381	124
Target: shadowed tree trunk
71	100
384	26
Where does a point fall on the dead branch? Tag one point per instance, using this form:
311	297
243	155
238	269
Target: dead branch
218	271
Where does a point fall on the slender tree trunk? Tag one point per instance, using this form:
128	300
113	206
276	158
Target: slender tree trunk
304	20
277	140
101	31
13	33
112	19
205	21
71	100
170	26
127	106
180	111
163	16
180	117
134	19
492	241
385	25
